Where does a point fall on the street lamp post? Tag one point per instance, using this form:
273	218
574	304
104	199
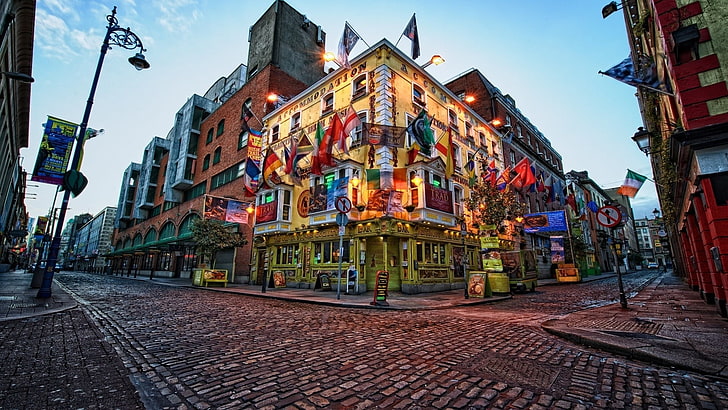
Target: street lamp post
463	233
116	36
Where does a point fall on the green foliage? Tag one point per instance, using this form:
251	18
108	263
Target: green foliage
212	236
491	206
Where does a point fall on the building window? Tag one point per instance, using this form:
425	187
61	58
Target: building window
206	162
220	127
216	158
227	176
418	95
458	199
430	252
357	133
287	255
359	87
295	121
274	134
327	104
469	130
513	158
328	252
286	216
209	136
453	120
243	139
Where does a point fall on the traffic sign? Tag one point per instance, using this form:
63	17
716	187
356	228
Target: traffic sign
609	216
342	219
343	204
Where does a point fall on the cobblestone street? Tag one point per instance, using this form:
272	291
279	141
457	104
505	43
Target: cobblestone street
188	348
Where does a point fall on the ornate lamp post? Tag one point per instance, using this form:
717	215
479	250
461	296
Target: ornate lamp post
116	36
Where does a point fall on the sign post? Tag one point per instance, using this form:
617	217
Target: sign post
343	205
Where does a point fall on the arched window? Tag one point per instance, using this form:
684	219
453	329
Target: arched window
167	231
216	157
151	236
209	136
206	162
419	96
359	87
220	127
137	240
186	226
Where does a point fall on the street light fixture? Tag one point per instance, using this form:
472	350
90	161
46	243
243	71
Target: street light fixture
436	60
115	36
642	139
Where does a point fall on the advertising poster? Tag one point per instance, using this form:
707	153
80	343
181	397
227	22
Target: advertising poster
224	209
337	189
438	198
54	152
557	249
476	285
554	221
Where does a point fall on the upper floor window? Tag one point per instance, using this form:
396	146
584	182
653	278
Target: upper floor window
356	134
418	95
327	104
458	200
274	133
209	136
206	162
359	86
220	127
216	157
513	158
469	130
243	139
295	121
452	117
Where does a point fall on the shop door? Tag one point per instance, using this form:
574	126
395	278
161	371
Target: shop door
261	267
384	254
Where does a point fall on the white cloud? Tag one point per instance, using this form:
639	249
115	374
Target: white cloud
177	15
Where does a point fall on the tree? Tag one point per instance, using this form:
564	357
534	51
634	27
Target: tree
491	206
212	236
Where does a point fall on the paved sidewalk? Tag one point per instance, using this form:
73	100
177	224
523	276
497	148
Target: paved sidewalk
666	323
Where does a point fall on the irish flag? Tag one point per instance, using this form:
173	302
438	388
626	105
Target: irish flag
632	183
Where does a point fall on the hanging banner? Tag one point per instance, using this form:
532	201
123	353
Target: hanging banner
54	152
383	135
557	250
224	209
554	221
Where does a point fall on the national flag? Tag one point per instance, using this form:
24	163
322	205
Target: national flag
373	179
470	169
523	177
299	149
351	122
645	75
540	183
592	206
503	179
632	183
411	33
419	129
490	175
339	136
316	143
271	163
346	44
327	141
444	145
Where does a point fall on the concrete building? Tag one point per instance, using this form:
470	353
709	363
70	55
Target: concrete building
93	241
682	46
17	26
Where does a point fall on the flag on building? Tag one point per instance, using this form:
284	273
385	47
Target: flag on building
299	149
373	179
271	163
419	129
470	169
522	175
346	44
645	75
412	153
444	146
411	33
331	136
246	115
351	122
490	174
252	175
316	144
632	183
503	179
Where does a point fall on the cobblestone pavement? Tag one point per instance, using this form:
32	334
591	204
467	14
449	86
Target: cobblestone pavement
185	348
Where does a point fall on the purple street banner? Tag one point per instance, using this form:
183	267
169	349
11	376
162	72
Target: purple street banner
554	221
224	209
54	152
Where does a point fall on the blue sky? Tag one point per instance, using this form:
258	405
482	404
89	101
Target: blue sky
546	55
